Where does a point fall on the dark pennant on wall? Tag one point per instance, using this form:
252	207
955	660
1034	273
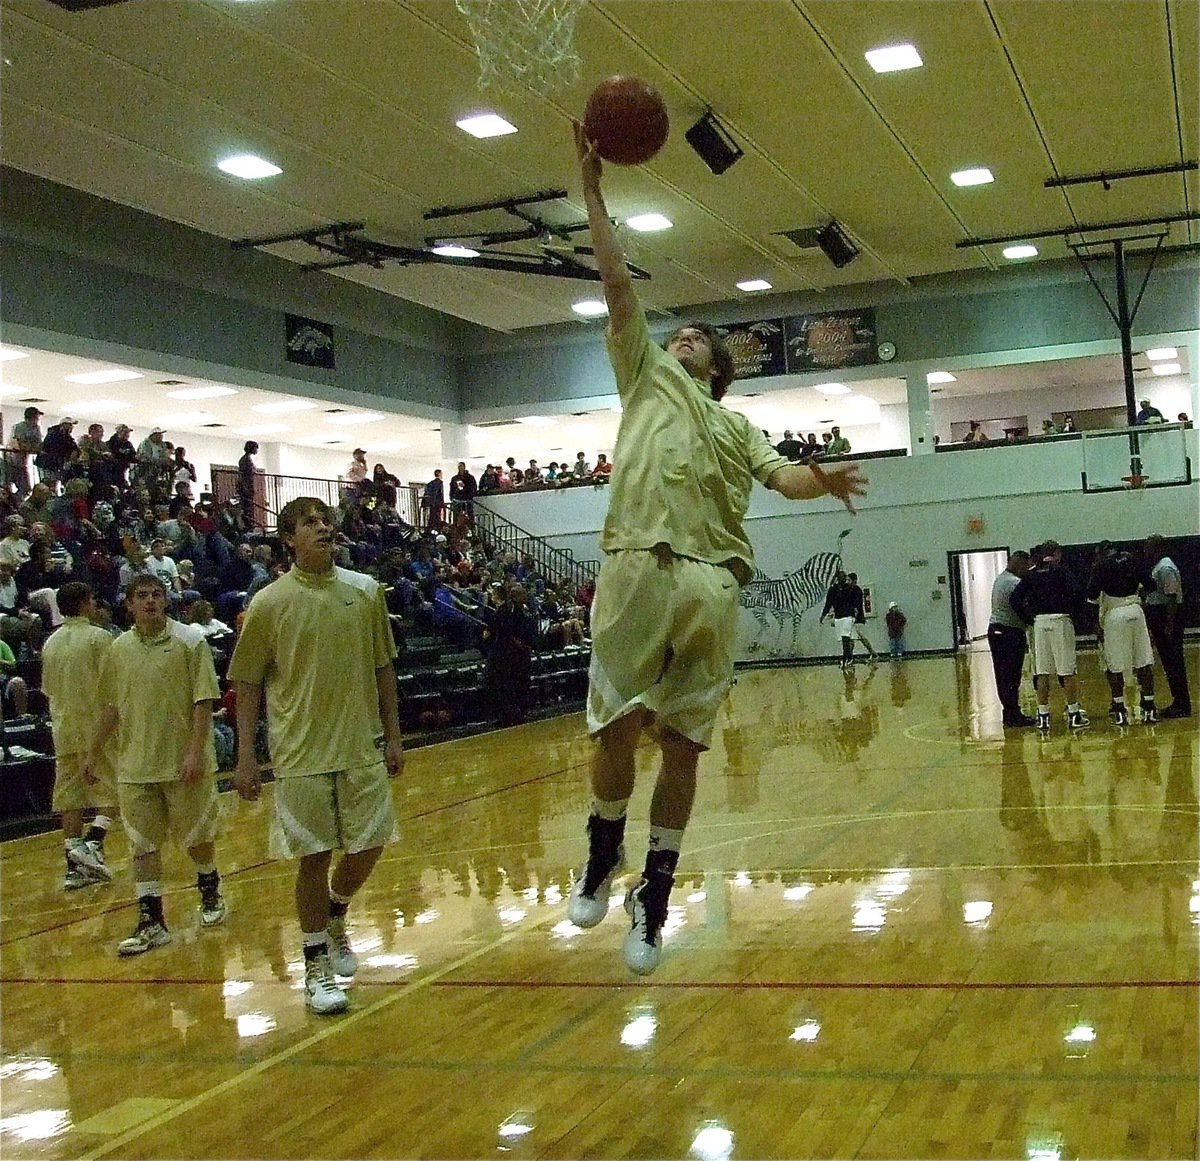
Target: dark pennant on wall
309	342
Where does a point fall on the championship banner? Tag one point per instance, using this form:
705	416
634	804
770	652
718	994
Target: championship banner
758	348
820	342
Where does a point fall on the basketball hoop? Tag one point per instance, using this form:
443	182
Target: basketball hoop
528	43
1135	481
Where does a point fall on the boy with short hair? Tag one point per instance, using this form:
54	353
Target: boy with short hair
318	642
158	690
72	670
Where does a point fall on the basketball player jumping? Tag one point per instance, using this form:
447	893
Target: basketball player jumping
665	611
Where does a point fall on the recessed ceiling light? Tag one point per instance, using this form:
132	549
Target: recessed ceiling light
486	125
832	388
1163	353
98	406
648	223
111	375
590	308
201	393
754	284
894	58
7	353
263	429
246	165
448	250
283	406
186	418
979	176
538	420
351	417
1167	369
1014	252
940	377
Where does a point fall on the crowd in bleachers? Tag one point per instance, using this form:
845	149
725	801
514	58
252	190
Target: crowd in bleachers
108	511
508	477
804	451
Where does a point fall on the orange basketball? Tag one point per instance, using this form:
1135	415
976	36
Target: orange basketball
626	119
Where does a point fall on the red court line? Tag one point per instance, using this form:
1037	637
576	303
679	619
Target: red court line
666	985
830	985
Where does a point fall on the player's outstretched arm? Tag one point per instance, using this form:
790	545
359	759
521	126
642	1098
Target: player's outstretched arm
811	482
610	258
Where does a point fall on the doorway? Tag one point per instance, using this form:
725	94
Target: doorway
972	575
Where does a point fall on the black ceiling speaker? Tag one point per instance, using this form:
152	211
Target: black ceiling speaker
711	140
84	5
837	247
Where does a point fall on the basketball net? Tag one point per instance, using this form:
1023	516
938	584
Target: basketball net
1135	481
527	43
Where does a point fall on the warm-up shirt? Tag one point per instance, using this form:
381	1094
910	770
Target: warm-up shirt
1046	590
72	672
314	642
686	464
155	683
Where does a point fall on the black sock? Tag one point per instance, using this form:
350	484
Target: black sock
311	951
95	834
151	908
208	882
337	910
660	863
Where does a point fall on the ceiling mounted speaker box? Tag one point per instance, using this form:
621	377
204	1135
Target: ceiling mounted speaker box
837	247
711	140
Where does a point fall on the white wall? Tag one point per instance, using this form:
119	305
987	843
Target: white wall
916	512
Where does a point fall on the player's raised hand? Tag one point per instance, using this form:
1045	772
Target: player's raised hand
845	482
589	160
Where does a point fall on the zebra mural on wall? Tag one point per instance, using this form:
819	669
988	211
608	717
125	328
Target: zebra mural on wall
791	595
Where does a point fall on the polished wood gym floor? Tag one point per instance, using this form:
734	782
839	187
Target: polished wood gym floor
897	933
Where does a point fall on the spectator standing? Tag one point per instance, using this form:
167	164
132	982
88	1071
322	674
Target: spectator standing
975	433
789	447
580	470
247	476
72	670
895	620
1148	413
124	456
318	642
838	445
812	448
602	470
509	637
1164	616
1008	641
59	450
159	688
357	470
433	501
26	441
463	489
153	469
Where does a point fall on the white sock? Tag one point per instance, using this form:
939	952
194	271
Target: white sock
150	887
663	838
612	811
1043	709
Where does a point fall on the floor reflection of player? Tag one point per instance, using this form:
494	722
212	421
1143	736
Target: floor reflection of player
901	691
